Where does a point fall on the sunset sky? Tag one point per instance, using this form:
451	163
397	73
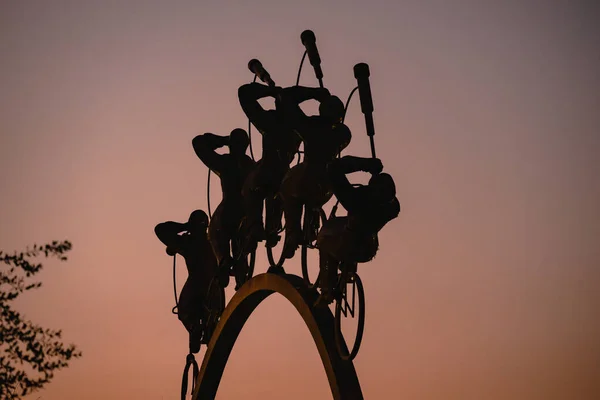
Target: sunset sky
487	115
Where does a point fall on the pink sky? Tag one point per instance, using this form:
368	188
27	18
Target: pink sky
486	287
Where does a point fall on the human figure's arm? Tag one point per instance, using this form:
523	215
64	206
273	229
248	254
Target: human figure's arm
205	146
349	196
249	94
291	98
168	233
299	94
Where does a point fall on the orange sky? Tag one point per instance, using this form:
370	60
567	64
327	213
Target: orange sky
486	287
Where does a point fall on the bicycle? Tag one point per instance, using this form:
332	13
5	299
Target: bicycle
344	306
349	276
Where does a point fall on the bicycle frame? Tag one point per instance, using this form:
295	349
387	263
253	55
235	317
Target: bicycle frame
347	277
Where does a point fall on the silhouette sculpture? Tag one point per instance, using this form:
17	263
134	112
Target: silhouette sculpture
237	226
324	137
279	145
233	169
345	241
190	240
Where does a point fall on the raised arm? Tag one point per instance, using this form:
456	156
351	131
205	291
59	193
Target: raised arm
299	94
205	146
168	233
290	105
249	94
349	196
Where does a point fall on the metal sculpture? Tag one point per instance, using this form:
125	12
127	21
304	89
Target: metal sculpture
288	193
233	169
190	241
280	144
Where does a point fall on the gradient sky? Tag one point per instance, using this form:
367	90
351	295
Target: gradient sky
487	115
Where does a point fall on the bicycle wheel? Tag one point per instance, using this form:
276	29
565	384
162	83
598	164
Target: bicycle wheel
271	258
214	306
310	236
343	308
277	233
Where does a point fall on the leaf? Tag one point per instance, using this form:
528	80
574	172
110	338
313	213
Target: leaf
28	347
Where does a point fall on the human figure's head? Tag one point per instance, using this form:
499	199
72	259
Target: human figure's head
198	222
383	188
238	141
332	108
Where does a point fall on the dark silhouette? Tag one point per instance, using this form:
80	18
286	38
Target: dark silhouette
324	137
362	74
237	225
233	169
309	41
353	239
190	241
279	145
30	353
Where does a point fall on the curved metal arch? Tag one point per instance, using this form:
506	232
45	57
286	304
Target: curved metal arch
320	321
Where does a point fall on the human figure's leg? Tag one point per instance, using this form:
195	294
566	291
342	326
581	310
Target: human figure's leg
274	213
291	197
333	238
328	267
277	169
218	235
336	246
241	263
253	194
292	209
191	311
239	246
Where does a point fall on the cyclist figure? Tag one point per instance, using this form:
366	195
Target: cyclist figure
324	137
353	239
190	240
233	169
279	145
